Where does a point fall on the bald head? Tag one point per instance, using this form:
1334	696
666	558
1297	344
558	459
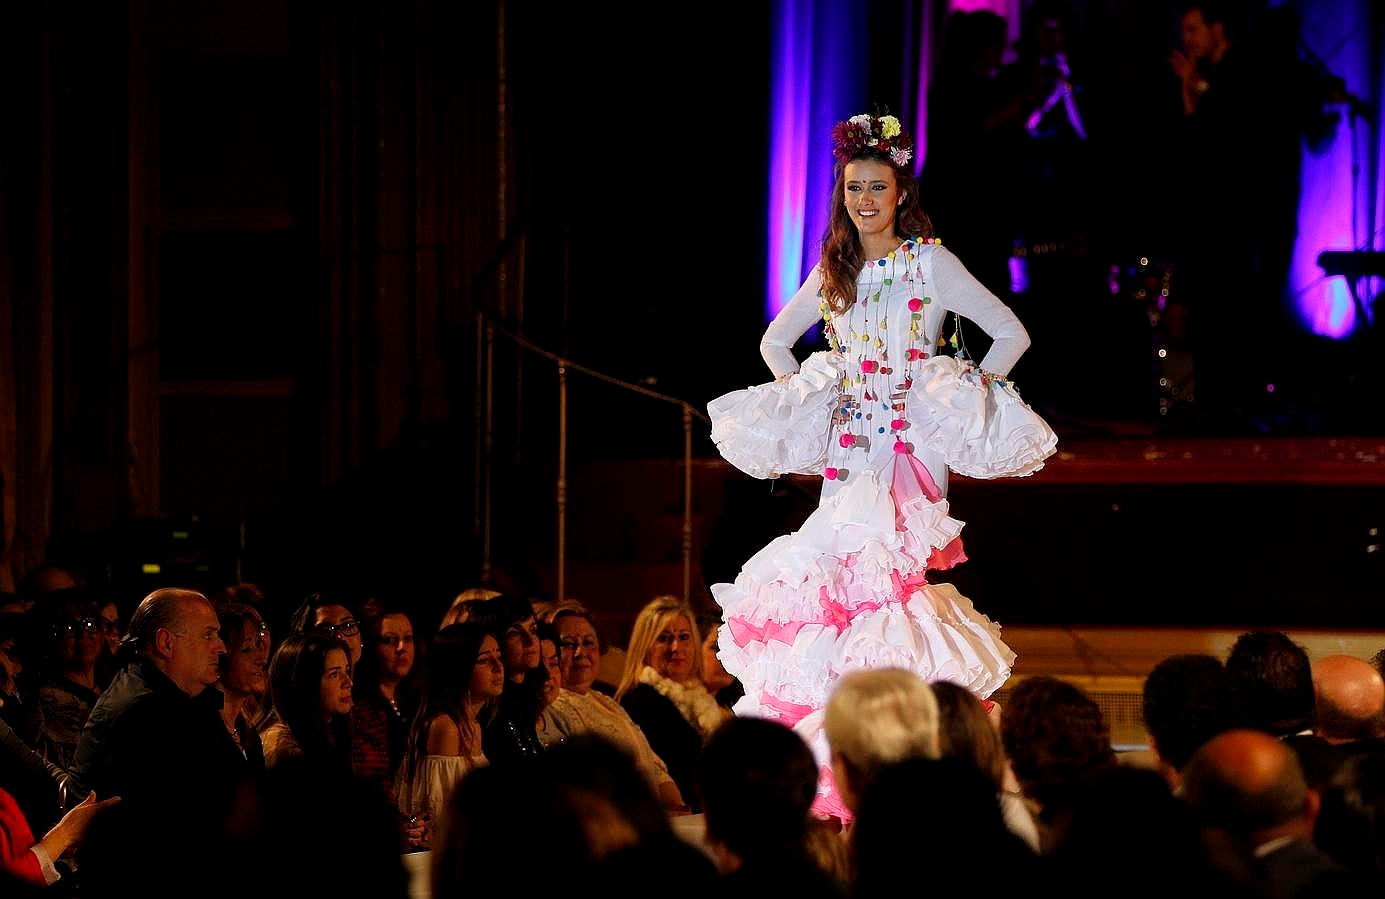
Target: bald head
1250	784
1351	698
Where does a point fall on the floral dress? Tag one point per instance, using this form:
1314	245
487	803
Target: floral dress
882	418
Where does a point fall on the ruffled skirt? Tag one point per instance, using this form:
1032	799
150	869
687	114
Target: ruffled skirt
850	588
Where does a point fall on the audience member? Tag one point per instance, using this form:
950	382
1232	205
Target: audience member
1057	740
918	818
1128	828
759	779
156	739
1248	790
310	702
330	615
1187	699
68	685
876	716
384	696
244	681
1351	823
1274	678
627	830
35	861
1350	696
512	732
661	687
466	678
966	731
587	709
726	687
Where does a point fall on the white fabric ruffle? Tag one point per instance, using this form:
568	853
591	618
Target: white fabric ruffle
982	432
781	427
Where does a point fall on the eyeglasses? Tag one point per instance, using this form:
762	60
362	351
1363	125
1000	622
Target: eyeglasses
572	645
348	628
78	627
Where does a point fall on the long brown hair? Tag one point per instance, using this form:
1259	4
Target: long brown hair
842	253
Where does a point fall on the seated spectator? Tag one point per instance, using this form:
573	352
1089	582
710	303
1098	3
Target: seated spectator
512	732
1351	822
966	731
874	717
1274	678
244	679
68	685
587	709
1248	790
1187	699
1350	705
1057	740
662	690
310	702
924	814
466	679
759	779
33	861
384	696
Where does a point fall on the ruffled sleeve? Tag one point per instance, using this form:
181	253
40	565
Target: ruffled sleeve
783	426
982	431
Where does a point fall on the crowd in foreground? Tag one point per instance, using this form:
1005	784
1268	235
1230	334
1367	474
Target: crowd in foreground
191	753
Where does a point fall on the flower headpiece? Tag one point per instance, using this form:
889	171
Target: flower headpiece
881	133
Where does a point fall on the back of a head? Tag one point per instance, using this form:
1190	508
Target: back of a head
597	769
880	715
1056	738
1188	699
924	814
1350	699
759	779
1351	825
486	848
965	730
1274	676
1245	781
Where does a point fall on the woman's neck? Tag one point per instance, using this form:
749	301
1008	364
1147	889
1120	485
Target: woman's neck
231	704
879	246
85	677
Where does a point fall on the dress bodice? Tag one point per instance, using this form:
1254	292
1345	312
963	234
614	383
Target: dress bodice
902	303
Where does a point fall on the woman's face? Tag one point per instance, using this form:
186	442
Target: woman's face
520	651
488	675
339	620
79	642
581	653
336	684
394	651
871	197
672	651
713	674
109	619
548	652
246	666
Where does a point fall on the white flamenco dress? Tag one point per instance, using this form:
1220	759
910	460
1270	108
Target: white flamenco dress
882	419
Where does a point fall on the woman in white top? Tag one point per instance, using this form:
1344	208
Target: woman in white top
588	709
464	682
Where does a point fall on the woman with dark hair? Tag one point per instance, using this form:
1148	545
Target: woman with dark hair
384	696
310	691
513	732
882	418
465	680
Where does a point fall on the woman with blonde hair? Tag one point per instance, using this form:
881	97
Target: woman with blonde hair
661	687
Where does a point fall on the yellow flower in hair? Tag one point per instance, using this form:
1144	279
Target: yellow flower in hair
889	126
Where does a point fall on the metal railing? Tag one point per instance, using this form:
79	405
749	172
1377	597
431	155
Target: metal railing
486	331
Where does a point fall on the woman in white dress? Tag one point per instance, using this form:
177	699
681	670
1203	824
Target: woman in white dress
882	418
463	684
